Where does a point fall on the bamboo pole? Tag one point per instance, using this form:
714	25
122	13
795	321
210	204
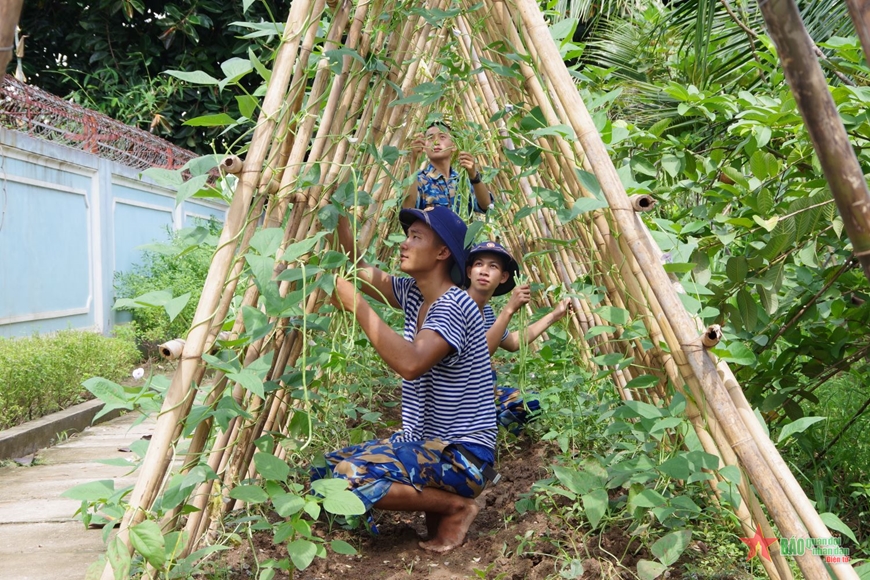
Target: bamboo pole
823	122
156	460
700	363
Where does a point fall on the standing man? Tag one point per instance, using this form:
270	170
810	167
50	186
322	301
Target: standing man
437	462
438	183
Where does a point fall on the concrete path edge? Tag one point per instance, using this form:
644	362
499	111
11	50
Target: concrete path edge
40	433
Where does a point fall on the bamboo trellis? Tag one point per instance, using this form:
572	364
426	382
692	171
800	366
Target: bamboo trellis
341	118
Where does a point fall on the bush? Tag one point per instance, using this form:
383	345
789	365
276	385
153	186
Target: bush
44	373
178	268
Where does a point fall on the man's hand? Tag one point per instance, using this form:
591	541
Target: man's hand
345	295
520	296
562	308
467	161
418	143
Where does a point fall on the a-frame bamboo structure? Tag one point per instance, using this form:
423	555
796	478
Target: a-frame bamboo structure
342	121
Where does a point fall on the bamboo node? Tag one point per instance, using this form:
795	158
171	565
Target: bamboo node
642	202
232	164
712	336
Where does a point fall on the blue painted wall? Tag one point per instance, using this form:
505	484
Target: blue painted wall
68	221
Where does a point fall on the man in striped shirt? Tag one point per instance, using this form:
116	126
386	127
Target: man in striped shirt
490	272
436	463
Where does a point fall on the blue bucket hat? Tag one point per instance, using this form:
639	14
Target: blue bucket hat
510	264
449	227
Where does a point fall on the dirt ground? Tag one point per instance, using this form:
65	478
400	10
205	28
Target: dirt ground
501	543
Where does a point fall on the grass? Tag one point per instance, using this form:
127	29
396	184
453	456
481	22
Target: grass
837	479
42	374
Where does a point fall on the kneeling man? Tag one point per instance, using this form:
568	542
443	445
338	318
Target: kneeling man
436	463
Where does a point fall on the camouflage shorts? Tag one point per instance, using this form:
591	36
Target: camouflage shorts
372	467
512	411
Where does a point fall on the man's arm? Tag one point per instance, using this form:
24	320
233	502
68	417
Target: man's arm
537	328
376	283
482	195
481	192
520	296
409	359
412	193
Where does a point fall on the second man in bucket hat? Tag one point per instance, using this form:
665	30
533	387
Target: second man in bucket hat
491	271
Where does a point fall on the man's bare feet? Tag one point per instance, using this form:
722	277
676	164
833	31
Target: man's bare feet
432	522
453	526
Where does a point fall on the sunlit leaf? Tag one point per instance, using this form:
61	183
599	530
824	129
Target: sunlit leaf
797	426
215	120
669	548
147	538
196	77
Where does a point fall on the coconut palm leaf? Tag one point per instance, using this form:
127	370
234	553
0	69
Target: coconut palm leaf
696	42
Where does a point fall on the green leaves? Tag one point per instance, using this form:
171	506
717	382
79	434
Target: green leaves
737	353
195	77
595	506
147	539
249	380
835	523
270	467
736	268
249	493
649	570
337	499
216	120
669	548
302	553
797	426
119	558
344	503
91	491
112	394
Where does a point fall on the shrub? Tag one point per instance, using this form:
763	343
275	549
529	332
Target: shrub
42	374
174	269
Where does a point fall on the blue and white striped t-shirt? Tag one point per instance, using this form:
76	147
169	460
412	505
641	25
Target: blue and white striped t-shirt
453	400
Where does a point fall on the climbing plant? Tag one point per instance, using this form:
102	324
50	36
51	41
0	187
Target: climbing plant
331	138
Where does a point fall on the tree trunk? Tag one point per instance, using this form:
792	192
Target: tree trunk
10	10
859	10
810	89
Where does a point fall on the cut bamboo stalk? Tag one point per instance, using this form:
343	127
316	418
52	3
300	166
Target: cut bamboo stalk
171	349
711	336
642	202
232	164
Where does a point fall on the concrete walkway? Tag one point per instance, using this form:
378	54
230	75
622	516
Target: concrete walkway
39	539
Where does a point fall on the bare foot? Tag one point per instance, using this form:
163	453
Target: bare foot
433	520
453	527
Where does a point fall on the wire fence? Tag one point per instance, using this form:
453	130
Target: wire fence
30	110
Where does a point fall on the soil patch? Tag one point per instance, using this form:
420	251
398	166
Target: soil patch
501	542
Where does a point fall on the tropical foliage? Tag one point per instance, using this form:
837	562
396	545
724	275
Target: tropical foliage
115	56
719	142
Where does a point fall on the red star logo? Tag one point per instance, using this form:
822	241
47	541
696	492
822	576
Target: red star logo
756	541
